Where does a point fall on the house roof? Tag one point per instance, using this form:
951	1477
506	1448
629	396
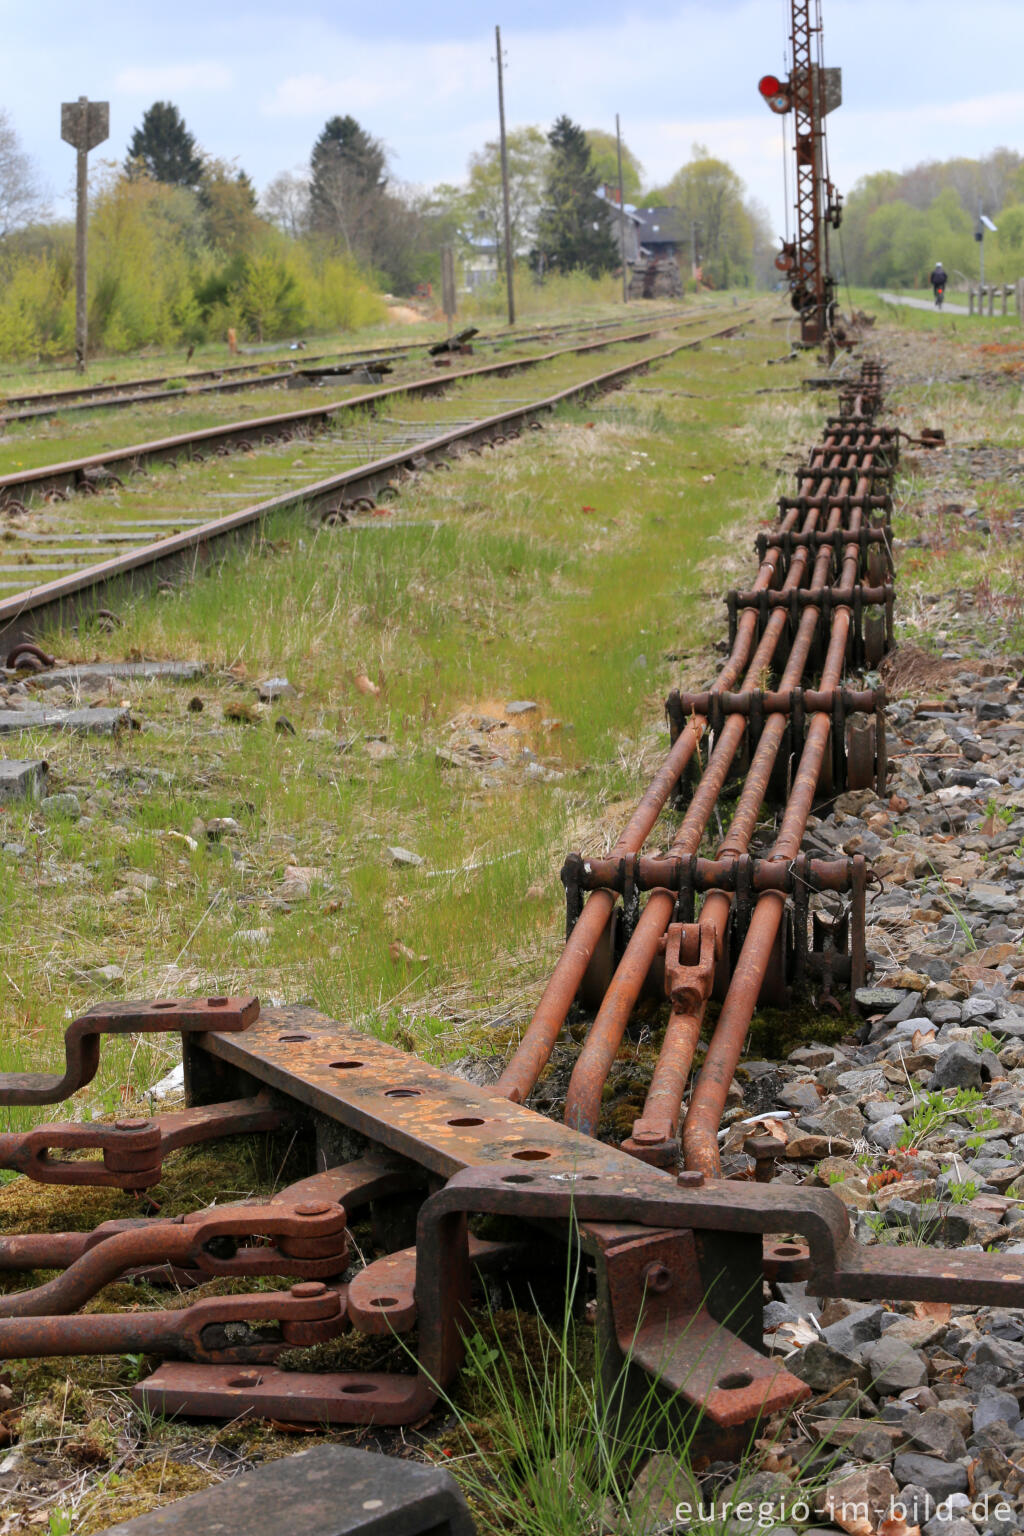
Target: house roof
662	226
628	211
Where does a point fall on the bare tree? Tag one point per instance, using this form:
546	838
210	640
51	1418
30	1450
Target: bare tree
285	202
22	200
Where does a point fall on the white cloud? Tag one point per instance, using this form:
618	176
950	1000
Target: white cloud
160	80
379	76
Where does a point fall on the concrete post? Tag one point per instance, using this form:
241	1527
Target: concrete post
83	125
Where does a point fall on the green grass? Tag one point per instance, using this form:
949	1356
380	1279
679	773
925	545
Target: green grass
535	306
563	570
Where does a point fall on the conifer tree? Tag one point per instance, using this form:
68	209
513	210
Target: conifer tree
163	146
574	230
346	162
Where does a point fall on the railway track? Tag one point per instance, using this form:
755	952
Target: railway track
260	430
235	377
678	1260
350	449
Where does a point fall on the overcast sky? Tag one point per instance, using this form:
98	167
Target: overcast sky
922	79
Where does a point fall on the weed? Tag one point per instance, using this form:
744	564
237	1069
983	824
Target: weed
962	1191
934	1109
961	921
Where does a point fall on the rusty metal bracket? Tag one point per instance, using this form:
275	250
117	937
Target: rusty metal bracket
311	1243
133	1148
215	1328
82	1040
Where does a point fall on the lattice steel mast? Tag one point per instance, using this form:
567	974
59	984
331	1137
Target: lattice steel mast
810	93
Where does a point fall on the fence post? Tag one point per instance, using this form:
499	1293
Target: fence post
991	299
970	298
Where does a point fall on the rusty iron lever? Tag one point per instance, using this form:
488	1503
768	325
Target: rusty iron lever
82	1040
133	1149
309	1241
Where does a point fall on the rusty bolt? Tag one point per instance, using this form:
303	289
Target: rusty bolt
657	1277
306	1290
647	1138
691	1179
764	1150
131	1125
312	1208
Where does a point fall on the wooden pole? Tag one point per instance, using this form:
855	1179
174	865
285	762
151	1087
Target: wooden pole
622	213
504	185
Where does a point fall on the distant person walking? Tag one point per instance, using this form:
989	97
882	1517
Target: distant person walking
938	282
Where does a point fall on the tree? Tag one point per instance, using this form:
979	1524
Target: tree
480	207
268	296
574	228
285	202
164	148
708	192
347	164
604	154
21	200
228	201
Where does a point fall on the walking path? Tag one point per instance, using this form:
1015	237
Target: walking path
899	298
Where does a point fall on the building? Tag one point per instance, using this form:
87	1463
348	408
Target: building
619	217
663	232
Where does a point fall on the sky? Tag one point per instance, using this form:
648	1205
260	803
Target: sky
256	81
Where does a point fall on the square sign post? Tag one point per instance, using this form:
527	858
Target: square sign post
83	125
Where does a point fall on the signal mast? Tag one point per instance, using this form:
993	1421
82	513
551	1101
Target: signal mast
810	93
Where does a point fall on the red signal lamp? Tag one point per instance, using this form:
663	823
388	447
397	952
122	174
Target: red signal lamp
775	92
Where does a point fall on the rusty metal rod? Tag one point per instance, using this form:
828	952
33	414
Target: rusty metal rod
583	1099
656	1125
534	1050
700	1130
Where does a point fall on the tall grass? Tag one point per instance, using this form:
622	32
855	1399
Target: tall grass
560	293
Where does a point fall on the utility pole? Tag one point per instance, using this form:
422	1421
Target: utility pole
504	184
83	125
622	212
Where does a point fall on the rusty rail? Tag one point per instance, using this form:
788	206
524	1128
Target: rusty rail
60	601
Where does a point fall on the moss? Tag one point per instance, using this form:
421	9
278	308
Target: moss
141	1490
774	1032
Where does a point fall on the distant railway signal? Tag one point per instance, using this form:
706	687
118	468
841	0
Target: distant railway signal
776	93
810	92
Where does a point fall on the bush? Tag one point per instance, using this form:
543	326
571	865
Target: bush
37	307
154	279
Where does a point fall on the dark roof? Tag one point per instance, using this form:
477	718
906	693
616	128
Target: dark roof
661	226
